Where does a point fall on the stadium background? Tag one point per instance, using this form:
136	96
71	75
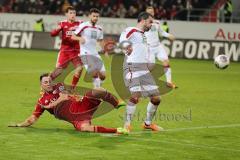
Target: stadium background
201	118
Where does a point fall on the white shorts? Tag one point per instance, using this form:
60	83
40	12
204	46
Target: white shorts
138	80
158	52
93	63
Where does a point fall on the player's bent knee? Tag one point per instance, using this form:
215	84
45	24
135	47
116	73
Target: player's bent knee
102	76
84	127
155	100
166	63
95	74
79	69
134	100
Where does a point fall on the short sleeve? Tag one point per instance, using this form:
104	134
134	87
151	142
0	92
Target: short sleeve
122	37
79	29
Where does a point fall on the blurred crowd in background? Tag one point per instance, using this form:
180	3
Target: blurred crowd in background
164	9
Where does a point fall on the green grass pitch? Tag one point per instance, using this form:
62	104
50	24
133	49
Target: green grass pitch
201	118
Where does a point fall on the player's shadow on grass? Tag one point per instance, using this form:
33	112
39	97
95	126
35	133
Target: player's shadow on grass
111	142
51	131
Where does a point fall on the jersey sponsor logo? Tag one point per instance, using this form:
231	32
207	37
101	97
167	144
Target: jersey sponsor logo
69	33
61	88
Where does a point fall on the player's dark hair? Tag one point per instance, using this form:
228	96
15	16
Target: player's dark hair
69	8
94	10
43	75
143	16
149	7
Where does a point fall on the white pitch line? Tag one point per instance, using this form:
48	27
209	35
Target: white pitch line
182	144
177	129
192	145
190	128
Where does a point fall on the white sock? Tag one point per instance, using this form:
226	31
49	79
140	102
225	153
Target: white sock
151	110
168	74
130	109
96	82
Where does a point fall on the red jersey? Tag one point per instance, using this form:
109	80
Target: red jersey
70	110
67	28
46	98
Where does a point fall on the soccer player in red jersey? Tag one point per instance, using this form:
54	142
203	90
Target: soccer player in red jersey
70	49
63	106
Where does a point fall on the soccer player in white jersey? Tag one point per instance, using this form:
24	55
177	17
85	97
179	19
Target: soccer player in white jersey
137	76
89	34
157	49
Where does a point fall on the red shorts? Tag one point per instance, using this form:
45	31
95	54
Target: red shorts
77	112
65	57
86	108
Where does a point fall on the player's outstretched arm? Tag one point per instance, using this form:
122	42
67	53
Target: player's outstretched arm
28	122
56	31
165	34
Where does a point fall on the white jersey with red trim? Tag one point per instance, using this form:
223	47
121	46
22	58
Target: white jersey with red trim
153	34
91	34
139	44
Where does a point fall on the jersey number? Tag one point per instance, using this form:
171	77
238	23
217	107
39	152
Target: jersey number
93	34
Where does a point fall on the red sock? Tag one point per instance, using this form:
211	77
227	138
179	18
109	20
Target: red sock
75	81
110	99
100	129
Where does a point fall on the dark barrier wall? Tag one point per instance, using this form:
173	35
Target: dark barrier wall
180	48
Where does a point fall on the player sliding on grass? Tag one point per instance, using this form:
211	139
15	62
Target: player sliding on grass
69	50
63	106
89	34
157	49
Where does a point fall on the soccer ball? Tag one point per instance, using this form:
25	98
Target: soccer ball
221	61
